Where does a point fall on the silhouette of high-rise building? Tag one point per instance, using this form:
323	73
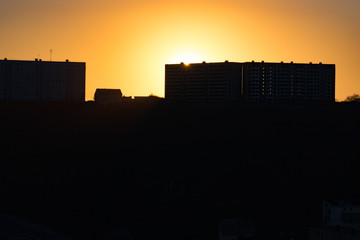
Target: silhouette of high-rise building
42	80
250	82
278	82
203	82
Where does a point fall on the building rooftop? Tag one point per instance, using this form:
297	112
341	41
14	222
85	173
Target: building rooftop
260	62
36	60
106	91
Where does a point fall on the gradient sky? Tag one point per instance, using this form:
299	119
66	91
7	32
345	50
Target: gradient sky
126	43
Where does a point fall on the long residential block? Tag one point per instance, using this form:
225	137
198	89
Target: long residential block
42	80
250	82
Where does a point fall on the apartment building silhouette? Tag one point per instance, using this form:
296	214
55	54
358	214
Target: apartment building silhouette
203	82
250	82
42	80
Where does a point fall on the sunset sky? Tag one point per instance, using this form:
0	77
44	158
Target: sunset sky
126	43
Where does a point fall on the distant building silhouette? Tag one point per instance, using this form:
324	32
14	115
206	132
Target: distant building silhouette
42	80
150	98
250	82
105	96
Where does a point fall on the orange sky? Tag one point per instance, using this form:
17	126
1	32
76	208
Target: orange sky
126	43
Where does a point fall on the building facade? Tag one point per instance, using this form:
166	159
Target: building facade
250	82
283	82
340	221
42	80
341	213
203	82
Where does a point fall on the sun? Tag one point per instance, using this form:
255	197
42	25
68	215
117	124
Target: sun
187	57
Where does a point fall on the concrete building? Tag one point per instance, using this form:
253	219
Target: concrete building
284	82
341	213
203	82
42	80
341	221
105	96
250	82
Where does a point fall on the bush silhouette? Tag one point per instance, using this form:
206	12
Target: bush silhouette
353	98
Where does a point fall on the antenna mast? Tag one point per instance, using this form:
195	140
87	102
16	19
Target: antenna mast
50	54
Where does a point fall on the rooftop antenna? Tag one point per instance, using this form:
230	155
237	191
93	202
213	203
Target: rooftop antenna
50	54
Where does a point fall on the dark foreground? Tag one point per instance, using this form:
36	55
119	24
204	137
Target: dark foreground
170	171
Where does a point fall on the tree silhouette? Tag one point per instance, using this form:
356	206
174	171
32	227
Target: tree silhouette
355	98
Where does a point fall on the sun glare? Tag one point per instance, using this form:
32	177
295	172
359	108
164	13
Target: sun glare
187	58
